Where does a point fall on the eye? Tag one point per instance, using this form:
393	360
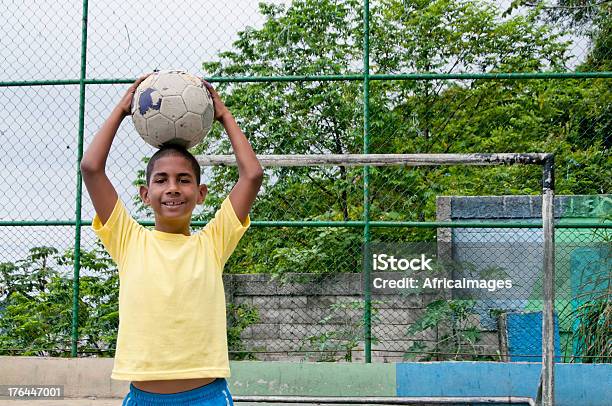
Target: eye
159	181
186	180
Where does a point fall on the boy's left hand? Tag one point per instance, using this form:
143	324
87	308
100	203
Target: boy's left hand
221	111
125	104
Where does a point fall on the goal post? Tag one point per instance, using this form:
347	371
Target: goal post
546	160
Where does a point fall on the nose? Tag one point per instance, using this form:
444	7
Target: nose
172	187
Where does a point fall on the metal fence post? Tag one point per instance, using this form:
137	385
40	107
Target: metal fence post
367	309
77	231
546	394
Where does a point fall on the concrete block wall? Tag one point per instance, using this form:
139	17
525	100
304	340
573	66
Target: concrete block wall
310	306
302	306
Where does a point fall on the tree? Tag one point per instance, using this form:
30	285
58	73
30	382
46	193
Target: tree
324	37
36	306
585	17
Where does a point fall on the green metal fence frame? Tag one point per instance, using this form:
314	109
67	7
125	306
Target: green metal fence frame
365	77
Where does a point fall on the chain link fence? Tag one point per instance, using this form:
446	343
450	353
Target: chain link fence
443	77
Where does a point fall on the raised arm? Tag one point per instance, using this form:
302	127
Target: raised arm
250	172
101	191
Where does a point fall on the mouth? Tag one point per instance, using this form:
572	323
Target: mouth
173	204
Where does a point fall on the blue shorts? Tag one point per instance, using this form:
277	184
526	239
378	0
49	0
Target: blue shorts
215	393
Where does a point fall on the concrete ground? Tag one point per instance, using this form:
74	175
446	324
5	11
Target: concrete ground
118	402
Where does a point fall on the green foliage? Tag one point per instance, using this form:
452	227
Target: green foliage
592	335
36	306
240	317
456	335
346	333
592	318
449	329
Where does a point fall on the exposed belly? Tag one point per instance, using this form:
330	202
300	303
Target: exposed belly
171	386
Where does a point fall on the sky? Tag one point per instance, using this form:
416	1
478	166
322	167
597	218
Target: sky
38	132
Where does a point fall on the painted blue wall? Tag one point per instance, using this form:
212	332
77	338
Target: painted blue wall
575	384
525	336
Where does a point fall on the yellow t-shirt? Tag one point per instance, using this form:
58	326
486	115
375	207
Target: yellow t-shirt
171	300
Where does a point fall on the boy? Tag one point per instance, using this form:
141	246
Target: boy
172	342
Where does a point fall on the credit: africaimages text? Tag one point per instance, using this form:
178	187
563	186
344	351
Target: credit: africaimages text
386	277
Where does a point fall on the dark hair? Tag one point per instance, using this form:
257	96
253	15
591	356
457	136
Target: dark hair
170	150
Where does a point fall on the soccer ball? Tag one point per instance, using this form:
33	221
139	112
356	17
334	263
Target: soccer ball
172	107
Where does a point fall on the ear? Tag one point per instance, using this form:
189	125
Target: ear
144	195
202	192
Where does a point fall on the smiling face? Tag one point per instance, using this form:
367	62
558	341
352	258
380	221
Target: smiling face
173	193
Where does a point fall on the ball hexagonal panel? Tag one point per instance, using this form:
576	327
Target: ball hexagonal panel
189	128
170	84
173	107
140	123
193	80
159	129
196	99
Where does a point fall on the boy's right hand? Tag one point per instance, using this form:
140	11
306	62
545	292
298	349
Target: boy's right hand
125	105
221	111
